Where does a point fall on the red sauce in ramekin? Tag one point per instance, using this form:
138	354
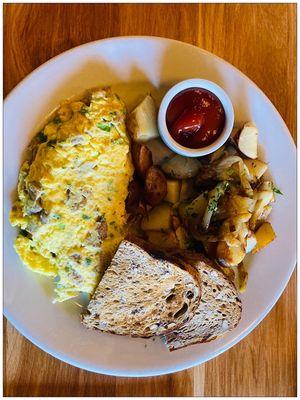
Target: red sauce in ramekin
195	118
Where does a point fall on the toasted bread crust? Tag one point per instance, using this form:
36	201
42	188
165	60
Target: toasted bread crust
219	310
143	296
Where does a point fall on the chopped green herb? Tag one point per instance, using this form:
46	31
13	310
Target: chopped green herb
213	201
84	110
118	141
52	142
57	120
104	127
31	247
24	233
84	216
56	216
276	190
88	261
109	199
42	137
114	113
61	226
117	96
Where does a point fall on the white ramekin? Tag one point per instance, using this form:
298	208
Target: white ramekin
229	117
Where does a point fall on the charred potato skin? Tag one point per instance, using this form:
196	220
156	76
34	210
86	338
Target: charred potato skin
155	189
142	159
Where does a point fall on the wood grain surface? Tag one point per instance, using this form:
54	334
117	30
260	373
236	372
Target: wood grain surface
260	40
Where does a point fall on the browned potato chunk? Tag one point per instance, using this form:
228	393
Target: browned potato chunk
166	240
142	121
186	190
135	192
264	236
256	168
142	159
230	255
155	186
248	140
173	191
158	219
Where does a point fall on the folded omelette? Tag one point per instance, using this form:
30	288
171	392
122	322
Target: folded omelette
71	193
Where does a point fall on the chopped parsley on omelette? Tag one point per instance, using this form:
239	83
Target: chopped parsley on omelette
71	193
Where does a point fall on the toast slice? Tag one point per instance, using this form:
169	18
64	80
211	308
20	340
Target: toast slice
219	310
142	295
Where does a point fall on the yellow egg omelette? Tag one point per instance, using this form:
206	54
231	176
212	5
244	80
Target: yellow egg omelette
71	193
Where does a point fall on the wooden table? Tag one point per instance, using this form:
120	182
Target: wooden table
260	40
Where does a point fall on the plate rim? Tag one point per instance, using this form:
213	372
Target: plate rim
182	365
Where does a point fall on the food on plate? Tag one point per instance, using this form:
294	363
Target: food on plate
155	189
160	152
173	191
256	168
142	295
141	122
163	239
195	118
134	196
85	186
180	167
187	190
158	219
179	295
242	278
220	207
142	159
71	193
218	312
248	140
264	236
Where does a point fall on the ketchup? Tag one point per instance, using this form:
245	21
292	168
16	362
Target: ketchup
195	118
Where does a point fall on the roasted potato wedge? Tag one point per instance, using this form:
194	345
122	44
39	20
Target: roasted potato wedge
160	152
263	199
180	167
158	219
166	240
155	189
240	205
142	159
173	191
186	190
141	121
248	140
264	236
256	168
230	256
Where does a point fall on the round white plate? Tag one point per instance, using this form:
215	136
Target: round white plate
137	64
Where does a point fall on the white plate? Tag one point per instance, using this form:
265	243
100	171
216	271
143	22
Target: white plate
158	63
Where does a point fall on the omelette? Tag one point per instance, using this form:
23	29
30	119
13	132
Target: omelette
70	207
